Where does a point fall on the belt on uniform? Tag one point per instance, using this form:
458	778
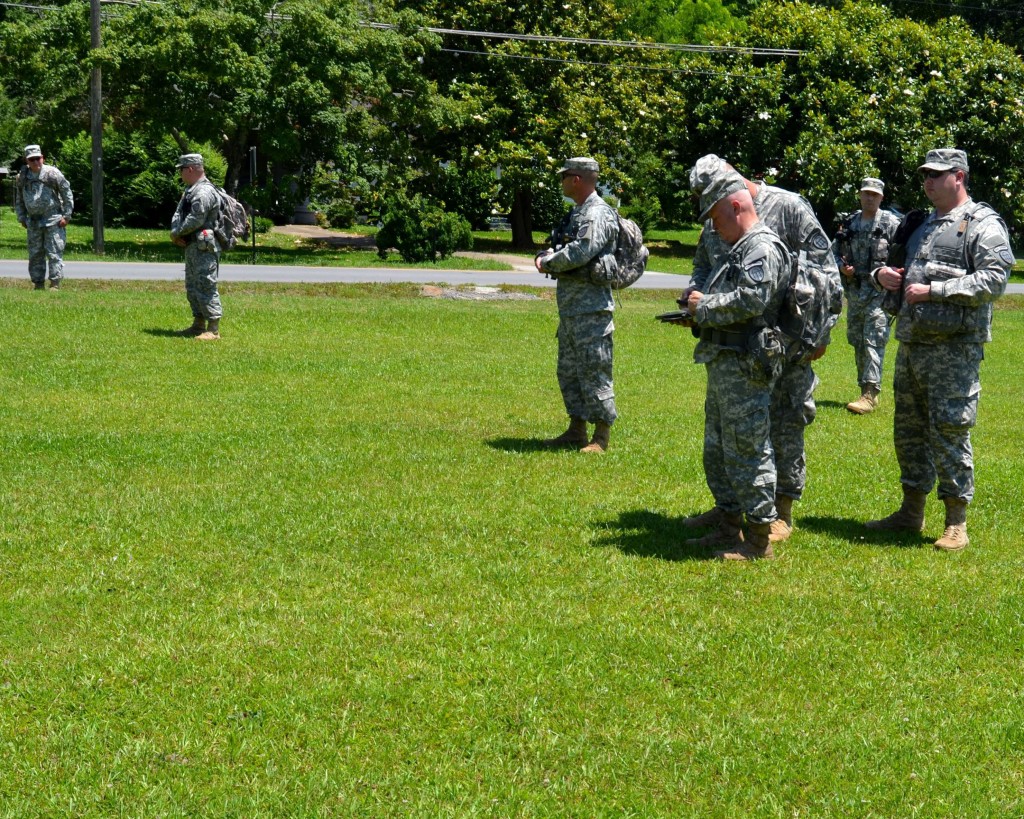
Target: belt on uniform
724	338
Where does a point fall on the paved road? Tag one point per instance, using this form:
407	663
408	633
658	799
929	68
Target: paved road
159	271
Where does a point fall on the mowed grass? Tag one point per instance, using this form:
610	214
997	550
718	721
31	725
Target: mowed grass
323	568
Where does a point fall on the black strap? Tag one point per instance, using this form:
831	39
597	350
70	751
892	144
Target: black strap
724	338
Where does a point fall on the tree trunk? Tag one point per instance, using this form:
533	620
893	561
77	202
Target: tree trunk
522	220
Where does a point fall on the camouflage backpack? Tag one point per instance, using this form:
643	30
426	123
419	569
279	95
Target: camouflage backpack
630	255
810	308
233	221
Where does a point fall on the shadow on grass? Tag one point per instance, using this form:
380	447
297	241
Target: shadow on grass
521	445
854	531
160	332
830	405
651	534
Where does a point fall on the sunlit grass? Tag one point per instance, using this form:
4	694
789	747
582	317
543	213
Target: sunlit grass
322	567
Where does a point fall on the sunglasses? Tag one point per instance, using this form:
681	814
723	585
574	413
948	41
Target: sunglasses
934	174
35	159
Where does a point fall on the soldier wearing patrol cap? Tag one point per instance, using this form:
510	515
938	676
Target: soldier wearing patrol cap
192	227
582	245
736	310
954	265
792	409
43	204
862	245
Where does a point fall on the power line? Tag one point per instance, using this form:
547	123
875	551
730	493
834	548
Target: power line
544	38
626	66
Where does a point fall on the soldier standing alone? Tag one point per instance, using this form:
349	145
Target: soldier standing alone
950	270
43	204
192	227
862	245
583	242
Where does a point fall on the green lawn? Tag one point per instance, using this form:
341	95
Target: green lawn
323	568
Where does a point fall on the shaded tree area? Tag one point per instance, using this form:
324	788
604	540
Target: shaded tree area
354	114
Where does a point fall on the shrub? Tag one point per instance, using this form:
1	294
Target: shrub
420	231
261	224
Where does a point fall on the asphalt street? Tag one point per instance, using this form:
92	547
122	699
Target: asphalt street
158	271
229	272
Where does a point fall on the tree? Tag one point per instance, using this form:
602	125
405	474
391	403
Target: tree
853	105
524	107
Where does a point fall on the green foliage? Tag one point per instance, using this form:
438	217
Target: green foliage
678	21
261	224
855	105
462	187
421	231
141	187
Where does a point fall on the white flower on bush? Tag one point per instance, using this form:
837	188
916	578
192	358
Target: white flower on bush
908	91
764	115
935	73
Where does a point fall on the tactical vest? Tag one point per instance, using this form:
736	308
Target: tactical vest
945	257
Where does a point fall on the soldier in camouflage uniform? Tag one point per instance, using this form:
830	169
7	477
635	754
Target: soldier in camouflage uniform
792	410
956	263
583	241
192	227
862	245
43	204
736	311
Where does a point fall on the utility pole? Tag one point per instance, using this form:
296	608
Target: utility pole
96	123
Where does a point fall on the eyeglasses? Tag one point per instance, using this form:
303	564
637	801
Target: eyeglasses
35	159
934	174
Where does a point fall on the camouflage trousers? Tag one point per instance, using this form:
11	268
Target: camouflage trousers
936	389
792	411
585	366
46	246
867	330
739	464
202	269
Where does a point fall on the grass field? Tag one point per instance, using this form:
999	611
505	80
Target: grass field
323	568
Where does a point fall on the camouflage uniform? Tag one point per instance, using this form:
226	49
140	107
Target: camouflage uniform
194	221
867	328
585	239
792	407
741	301
41	200
965	258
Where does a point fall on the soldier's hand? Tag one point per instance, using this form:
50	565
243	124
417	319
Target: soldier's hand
847	270
916	293
693	300
818	353
63	222
891	278
178	241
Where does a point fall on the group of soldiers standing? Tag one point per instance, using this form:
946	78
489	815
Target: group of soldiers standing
937	273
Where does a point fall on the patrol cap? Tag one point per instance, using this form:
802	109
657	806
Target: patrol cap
189	160
945	159
32	151
579	164
725	183
872	185
706	168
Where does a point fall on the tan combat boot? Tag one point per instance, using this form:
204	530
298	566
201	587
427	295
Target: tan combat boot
198	327
955	537
868	402
599	443
782	526
212	331
909	517
728	532
574	436
757	545
705	520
